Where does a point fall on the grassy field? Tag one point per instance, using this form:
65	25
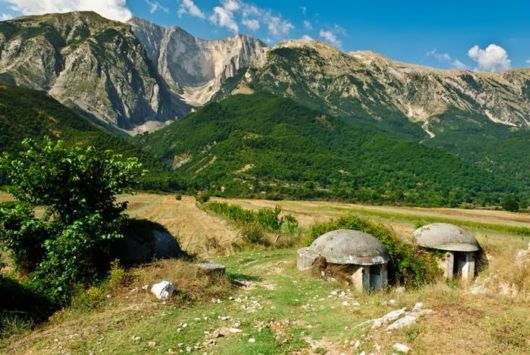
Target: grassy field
269	307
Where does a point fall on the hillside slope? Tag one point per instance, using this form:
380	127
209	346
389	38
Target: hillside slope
261	145
33	114
88	62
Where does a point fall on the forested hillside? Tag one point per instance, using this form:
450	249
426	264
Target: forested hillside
265	146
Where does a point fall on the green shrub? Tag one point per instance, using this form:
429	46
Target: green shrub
408	265
268	219
117	276
69	245
178	197
253	234
202	197
511	203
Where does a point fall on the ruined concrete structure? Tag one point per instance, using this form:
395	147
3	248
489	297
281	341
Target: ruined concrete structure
361	254
460	247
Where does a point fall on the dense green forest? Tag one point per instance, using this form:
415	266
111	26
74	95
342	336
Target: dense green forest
264	146
33	114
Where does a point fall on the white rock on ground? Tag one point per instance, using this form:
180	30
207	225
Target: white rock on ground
163	290
401	348
389	317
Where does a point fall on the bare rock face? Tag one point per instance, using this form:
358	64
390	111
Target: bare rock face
194	67
88	62
367	84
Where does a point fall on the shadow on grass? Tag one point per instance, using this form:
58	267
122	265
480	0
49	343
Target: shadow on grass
19	305
240	280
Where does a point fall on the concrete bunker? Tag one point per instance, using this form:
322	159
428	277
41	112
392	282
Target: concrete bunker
460	248
359	254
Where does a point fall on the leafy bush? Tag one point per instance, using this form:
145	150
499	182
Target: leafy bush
68	245
253	234
267	218
202	197
511	203
178	197
408	265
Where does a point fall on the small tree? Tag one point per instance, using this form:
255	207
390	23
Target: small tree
510	203
77	188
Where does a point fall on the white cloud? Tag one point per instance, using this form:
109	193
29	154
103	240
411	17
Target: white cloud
5	17
188	7
308	25
527	61
446	58
155	6
493	58
276	25
231	11
307	37
330	37
224	18
251	24
304	10
112	9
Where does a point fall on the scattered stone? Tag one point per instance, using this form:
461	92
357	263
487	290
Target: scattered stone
389	317
152	344
400	289
252	340
163	290
211	268
401	348
135	338
409	319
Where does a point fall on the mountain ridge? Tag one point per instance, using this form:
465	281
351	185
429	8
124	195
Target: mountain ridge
361	83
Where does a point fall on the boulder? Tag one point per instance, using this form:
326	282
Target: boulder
163	290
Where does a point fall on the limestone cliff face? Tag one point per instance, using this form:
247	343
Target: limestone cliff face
194	67
89	62
368	84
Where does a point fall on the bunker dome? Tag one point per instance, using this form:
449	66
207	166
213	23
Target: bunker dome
363	256
459	245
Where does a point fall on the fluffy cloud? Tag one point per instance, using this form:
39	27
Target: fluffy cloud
5	17
251	16
155	6
308	25
112	9
446	58
493	58
330	37
528	61
251	24
223	17
307	37
188	7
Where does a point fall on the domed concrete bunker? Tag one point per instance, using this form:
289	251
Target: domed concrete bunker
459	245
362	254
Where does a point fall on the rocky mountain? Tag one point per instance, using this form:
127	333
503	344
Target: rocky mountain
366	84
93	64
193	67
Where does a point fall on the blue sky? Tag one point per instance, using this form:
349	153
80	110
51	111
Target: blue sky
486	35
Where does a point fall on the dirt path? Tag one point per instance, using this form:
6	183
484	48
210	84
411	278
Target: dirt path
195	229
